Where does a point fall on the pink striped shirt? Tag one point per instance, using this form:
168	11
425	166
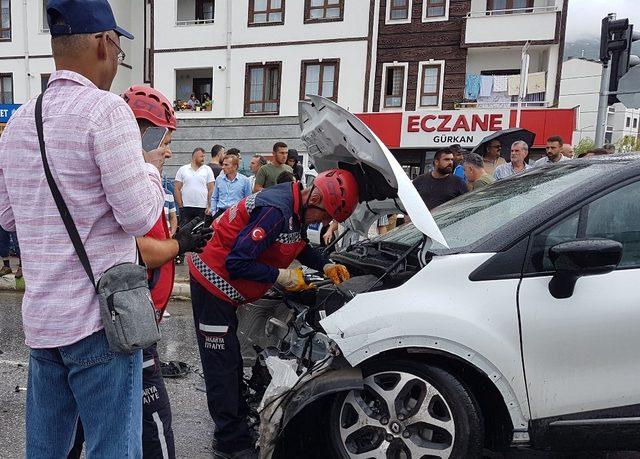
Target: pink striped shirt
94	151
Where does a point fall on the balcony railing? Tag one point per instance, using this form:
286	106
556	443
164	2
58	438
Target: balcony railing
527	104
191	22
516	25
528	10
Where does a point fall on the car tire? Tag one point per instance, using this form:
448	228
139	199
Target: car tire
432	415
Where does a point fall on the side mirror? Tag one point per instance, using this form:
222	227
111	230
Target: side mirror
585	257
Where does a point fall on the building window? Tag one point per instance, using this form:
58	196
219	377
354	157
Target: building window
266	12
44	81
320	79
6	88
507	6
628	122
198	82
5	19
192	12
398	10
430	84
262	89
393	87
45	23
323	10
204	10
435	10
635	123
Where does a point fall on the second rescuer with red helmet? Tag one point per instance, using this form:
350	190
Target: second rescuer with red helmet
253	244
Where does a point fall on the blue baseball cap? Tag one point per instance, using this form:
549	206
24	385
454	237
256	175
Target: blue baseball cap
74	17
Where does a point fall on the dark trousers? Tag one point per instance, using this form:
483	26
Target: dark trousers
216	326
7	241
189	213
157	433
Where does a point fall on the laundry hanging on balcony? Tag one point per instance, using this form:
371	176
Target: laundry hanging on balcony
486	86
513	85
536	83
500	83
472	87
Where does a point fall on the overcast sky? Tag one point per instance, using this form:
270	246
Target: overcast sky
585	16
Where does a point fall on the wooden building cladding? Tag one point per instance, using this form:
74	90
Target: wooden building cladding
426	53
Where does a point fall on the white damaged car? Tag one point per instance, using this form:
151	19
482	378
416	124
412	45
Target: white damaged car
508	318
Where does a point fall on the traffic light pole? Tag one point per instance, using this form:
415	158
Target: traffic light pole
601	123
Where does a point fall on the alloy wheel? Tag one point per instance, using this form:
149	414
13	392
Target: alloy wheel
397	415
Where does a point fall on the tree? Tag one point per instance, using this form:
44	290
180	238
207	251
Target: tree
628	143
583	146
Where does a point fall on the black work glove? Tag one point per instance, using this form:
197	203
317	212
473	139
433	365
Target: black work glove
192	239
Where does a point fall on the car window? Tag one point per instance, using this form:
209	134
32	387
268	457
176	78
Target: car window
617	216
477	215
614	216
566	230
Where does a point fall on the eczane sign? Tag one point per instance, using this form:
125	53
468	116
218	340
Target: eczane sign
443	128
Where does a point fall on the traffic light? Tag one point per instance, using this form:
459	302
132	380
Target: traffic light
615	44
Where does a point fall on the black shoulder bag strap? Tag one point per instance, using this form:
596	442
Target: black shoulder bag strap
60	204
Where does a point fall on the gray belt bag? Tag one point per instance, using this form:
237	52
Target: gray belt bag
126	307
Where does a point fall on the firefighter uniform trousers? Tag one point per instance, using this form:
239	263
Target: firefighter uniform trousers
216	326
157	433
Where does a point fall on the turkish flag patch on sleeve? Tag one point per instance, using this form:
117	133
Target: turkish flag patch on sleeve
258	234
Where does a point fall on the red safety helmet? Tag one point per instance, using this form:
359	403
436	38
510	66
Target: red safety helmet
151	105
340	193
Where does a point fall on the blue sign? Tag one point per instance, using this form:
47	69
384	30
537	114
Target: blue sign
6	110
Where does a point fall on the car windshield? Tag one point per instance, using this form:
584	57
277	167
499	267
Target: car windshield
474	216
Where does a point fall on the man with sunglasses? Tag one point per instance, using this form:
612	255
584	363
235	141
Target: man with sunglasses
94	150
492	158
253	245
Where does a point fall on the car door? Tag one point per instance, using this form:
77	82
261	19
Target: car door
582	353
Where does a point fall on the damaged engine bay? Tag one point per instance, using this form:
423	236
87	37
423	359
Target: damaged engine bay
293	363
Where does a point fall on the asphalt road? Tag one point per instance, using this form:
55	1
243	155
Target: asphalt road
193	428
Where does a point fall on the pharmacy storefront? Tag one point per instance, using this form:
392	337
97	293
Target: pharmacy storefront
413	137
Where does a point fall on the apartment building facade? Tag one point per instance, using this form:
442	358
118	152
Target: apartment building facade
254	60
25	48
460	60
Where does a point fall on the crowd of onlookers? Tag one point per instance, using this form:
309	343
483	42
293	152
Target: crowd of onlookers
455	171
209	189
204	190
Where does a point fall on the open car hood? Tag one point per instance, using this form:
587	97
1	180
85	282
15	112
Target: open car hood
336	138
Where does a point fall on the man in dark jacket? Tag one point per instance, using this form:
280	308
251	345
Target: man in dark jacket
293	160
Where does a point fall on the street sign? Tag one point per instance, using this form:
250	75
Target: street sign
441	128
6	110
629	88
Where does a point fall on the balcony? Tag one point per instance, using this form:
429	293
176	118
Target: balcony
496	27
195	12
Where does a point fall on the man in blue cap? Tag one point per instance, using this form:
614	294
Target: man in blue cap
95	153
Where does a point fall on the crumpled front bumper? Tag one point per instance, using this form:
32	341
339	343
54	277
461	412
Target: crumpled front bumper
286	396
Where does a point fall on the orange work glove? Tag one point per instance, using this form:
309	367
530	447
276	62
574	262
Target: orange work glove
337	273
292	280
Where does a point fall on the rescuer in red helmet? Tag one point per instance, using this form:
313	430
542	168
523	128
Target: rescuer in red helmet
158	250
253	245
